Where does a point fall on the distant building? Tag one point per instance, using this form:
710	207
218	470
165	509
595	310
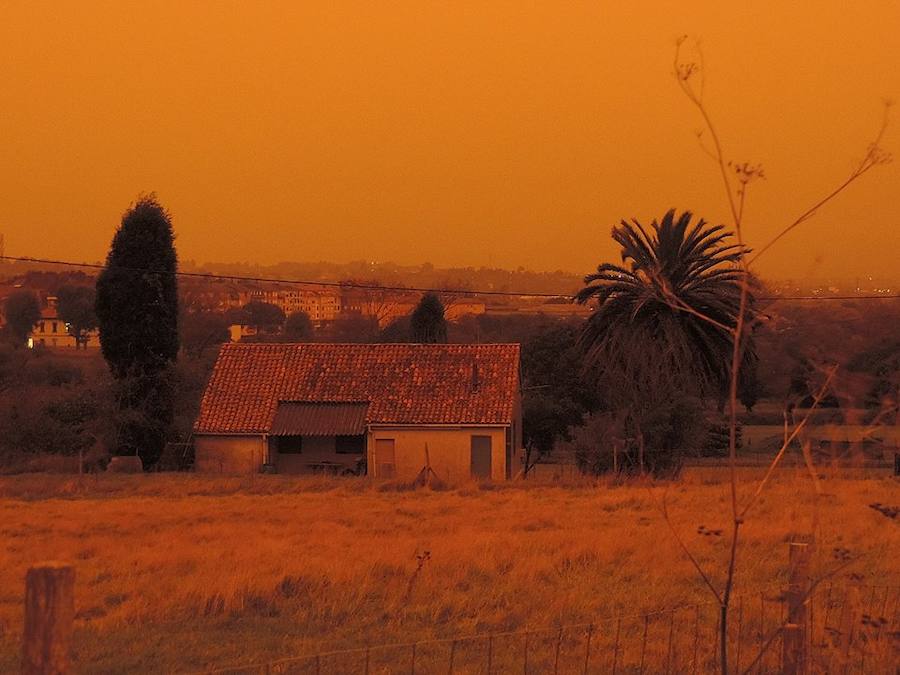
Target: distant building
237	332
320	304
388	306
301	408
51	331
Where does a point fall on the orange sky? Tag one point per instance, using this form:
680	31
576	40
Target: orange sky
463	133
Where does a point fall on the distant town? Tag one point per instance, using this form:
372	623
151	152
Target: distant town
326	293
373	291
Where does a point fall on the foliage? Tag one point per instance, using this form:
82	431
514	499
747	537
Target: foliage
671	308
76	308
858	334
189	378
137	312
661	337
883	354
201	330
23	311
237	316
884	393
543	424
146	412
804	385
351	327
396	331
137	293
557	391
656	441
500	328
427	323
264	316
882	363
298	327
51	407
750	387
45	425
36	367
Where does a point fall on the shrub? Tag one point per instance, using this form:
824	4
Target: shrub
654	440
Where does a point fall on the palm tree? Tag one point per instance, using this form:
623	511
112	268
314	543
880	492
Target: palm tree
669	311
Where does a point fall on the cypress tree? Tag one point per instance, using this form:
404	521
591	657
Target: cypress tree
427	323
137	314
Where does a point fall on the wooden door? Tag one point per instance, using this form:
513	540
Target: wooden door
480	465
385	461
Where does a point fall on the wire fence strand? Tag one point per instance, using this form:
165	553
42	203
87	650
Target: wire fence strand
854	630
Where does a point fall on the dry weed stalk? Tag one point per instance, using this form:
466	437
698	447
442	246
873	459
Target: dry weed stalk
736	178
421	559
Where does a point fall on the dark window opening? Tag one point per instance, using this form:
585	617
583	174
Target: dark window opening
290	445
350	445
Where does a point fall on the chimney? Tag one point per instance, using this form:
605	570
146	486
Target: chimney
475	381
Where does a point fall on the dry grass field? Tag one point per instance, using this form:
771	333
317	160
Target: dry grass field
180	572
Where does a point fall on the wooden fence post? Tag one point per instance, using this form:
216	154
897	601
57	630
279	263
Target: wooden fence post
795	630
49	613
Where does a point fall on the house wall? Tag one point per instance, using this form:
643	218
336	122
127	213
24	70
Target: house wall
449	449
229	454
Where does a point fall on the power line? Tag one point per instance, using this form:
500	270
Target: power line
294	282
883	296
397	289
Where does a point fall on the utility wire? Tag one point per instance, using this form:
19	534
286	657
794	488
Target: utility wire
399	289
292	282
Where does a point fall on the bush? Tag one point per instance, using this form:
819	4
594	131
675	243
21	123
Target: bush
47	422
655	440
53	408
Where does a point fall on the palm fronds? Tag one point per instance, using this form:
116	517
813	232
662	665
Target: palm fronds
672	303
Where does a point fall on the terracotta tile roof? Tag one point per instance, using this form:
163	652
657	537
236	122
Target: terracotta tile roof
404	383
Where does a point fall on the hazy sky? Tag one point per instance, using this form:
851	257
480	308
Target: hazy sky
463	133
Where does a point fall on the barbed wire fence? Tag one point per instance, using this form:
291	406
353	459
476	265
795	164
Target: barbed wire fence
850	628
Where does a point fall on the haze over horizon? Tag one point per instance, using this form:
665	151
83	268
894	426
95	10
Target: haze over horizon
464	135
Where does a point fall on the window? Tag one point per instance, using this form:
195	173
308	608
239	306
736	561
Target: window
290	445
350	445
54	326
384	458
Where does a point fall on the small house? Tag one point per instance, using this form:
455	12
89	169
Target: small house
389	410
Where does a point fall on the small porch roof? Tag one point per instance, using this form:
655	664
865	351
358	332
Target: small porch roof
319	418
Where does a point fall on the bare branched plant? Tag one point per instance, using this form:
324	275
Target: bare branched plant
422	557
736	178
